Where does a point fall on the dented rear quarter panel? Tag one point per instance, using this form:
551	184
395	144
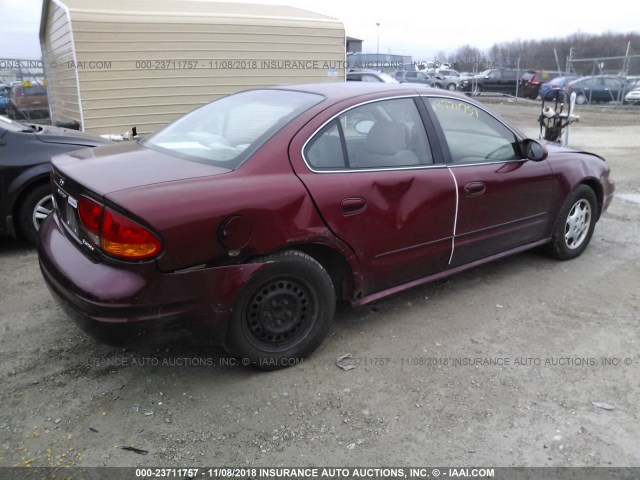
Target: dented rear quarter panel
188	214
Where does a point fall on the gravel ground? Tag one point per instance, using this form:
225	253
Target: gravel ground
524	362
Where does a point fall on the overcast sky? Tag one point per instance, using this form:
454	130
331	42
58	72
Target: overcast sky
418	28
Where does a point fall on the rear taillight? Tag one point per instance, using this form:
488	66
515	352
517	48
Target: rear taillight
123	238
90	216
115	234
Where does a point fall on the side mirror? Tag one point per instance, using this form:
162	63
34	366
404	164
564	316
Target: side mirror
534	150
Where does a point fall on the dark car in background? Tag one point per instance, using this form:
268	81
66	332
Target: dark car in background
28	100
4	97
248	219
557	83
601	88
499	80
25	168
531	81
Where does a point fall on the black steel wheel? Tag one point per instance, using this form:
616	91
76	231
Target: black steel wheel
284	312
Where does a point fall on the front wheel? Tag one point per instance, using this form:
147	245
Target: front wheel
575	223
581	99
284	313
36	206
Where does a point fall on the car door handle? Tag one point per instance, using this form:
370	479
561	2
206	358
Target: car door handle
353	205
473	189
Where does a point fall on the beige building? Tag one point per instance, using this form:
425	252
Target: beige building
114	65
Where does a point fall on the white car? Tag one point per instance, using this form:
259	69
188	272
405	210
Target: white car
451	77
369	76
633	96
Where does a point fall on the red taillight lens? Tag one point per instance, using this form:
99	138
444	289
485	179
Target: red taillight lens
90	216
123	238
115	234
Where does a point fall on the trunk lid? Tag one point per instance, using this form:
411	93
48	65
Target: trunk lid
113	168
102	171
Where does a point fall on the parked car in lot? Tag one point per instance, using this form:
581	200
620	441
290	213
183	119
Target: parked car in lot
557	83
247	219
531	81
369	76
4	97
631	91
25	168
600	88
501	80
633	97
450	78
412	76
27	100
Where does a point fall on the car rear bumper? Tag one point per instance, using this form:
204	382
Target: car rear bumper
114	302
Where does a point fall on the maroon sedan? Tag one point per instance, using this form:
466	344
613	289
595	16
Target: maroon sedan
247	219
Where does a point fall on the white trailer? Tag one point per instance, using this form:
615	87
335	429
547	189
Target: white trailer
114	65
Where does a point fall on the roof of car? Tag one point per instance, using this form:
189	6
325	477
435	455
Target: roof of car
338	91
344	90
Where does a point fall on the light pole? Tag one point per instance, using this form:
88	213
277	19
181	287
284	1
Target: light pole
378	49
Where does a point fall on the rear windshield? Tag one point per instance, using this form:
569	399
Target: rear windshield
226	132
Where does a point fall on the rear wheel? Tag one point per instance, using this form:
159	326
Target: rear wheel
575	223
284	313
36	206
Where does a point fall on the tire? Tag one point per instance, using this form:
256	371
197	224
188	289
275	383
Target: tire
575	223
581	99
284	313
451	87
34	209
477	89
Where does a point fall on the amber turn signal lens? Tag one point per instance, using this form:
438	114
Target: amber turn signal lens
124	238
115	234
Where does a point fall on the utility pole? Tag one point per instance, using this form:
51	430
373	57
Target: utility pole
378	49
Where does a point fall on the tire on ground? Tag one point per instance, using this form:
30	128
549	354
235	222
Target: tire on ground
38	197
575	223
284	313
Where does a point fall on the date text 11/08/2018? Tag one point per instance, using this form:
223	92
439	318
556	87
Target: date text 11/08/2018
314	472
